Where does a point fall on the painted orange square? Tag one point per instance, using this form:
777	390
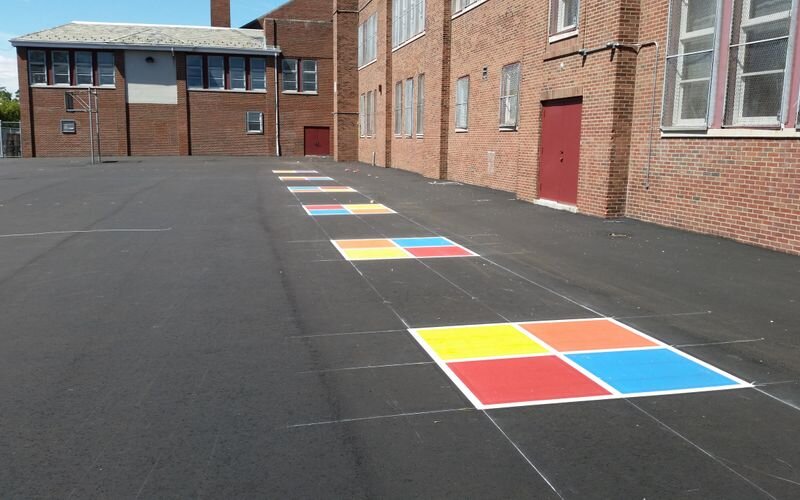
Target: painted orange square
344	244
567	336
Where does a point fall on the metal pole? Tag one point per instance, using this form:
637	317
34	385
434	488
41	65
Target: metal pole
91	128
277	112
97	125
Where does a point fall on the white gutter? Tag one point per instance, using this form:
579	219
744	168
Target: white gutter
277	113
268	50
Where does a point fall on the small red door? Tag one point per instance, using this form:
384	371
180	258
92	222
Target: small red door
318	141
560	150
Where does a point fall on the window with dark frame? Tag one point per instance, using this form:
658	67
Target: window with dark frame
69	127
106	70
216	72
84	69
194	72
61	67
255	122
258	73
289	69
37	67
238	73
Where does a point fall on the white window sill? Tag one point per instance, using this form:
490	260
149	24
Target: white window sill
231	91
461	130
420	136
562	36
368	64
295	92
508	128
77	87
410	40
256	133
731	133
467	9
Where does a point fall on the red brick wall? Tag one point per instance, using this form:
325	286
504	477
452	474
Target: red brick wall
319	10
345	60
746	189
217	123
153	130
374	77
221	13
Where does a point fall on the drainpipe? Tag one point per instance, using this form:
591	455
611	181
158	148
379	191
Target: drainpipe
277	111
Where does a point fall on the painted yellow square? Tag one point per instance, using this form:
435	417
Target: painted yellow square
371	210
468	342
375	253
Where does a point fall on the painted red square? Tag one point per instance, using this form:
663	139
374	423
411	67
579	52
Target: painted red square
518	380
324	207
438	252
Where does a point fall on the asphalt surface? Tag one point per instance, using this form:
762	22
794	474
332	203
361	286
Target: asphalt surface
201	337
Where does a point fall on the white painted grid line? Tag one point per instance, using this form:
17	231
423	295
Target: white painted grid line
378	417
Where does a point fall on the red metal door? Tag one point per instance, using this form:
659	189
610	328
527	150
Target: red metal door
560	150
318	141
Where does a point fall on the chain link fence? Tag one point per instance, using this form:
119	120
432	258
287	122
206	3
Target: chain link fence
10	140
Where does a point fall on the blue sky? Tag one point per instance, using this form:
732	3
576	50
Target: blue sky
18	17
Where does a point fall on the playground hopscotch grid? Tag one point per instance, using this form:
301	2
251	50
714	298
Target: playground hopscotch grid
507	365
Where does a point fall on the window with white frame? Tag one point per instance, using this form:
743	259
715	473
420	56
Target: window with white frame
37	67
462	103
216	72
289	75
194	72
690	61
255	122
372	111
564	16
398	108
258	73
309	77
408	110
238	73
744	83
106	71
758	62
61	69
509	96
368	40
420	105
362	120
459	5
408	20
84	68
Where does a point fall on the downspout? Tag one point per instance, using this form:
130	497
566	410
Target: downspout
277	111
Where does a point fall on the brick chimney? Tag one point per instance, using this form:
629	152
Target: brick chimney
221	13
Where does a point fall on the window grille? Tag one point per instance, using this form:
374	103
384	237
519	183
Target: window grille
106	71
84	68
758	62
509	96
61	70
563	15
258	73
216	72
462	103
309	75
290	75
690	63
37	65
238	73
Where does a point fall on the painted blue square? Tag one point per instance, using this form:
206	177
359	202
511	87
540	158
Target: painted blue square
649	370
338	211
303	188
423	242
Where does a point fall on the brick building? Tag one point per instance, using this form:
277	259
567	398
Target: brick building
183	90
679	112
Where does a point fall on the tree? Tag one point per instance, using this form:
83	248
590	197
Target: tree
9	106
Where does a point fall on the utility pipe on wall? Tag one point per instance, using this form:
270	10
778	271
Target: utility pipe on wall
277	112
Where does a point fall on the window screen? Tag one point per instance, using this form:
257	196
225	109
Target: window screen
509	96
462	103
290	75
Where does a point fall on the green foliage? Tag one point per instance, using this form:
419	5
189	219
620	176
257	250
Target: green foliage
9	106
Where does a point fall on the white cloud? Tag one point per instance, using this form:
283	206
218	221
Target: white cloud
8	70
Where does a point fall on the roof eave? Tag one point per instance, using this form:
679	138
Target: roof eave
267	50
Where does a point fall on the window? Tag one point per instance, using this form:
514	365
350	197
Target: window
61	73
408	20
459	5
509	96
462	103
368	40
371	102
563	16
255	122
258	74
84	68
408	112
106	72
309	76
362	111
216	72
194	72
290	75
758	62
690	60
68	127
37	66
238	73
420	105
398	108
